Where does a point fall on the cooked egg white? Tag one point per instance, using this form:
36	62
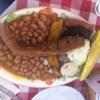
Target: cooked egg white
77	58
69	69
79	55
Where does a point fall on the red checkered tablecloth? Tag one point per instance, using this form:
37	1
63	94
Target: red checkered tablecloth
84	8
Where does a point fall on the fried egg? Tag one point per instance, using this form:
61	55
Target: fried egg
77	58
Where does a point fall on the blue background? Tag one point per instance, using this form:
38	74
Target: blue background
4	4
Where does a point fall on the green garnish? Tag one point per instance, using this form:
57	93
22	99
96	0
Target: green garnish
63	16
28	12
10	18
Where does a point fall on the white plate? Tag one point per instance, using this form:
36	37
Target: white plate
37	83
59	93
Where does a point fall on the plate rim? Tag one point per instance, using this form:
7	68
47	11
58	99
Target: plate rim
59	87
45	86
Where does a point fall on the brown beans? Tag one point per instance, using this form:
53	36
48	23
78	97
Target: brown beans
27	66
35	15
24	39
23	33
36	20
29	34
24	28
3	58
17	37
35	35
42	58
11	27
25	57
20	73
43	18
1	53
46	33
21	69
23	66
39	39
43	36
41	66
1	45
9	63
27	18
14	24
30	67
20	23
36	58
40	24
42	72
16	32
27	42
17	59
39	31
46	75
15	68
46	68
34	26
33	41
4	47
48	22
33	75
30	29
6	52
34	69
10	56
37	69
25	70
27	23
38	74
32	61
44	29
37	63
27	74
24	62
27	38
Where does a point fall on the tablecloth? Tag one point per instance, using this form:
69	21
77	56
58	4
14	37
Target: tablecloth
4	4
84	8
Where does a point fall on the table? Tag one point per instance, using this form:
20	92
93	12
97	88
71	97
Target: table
84	8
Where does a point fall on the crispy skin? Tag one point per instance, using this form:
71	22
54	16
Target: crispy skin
77	22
